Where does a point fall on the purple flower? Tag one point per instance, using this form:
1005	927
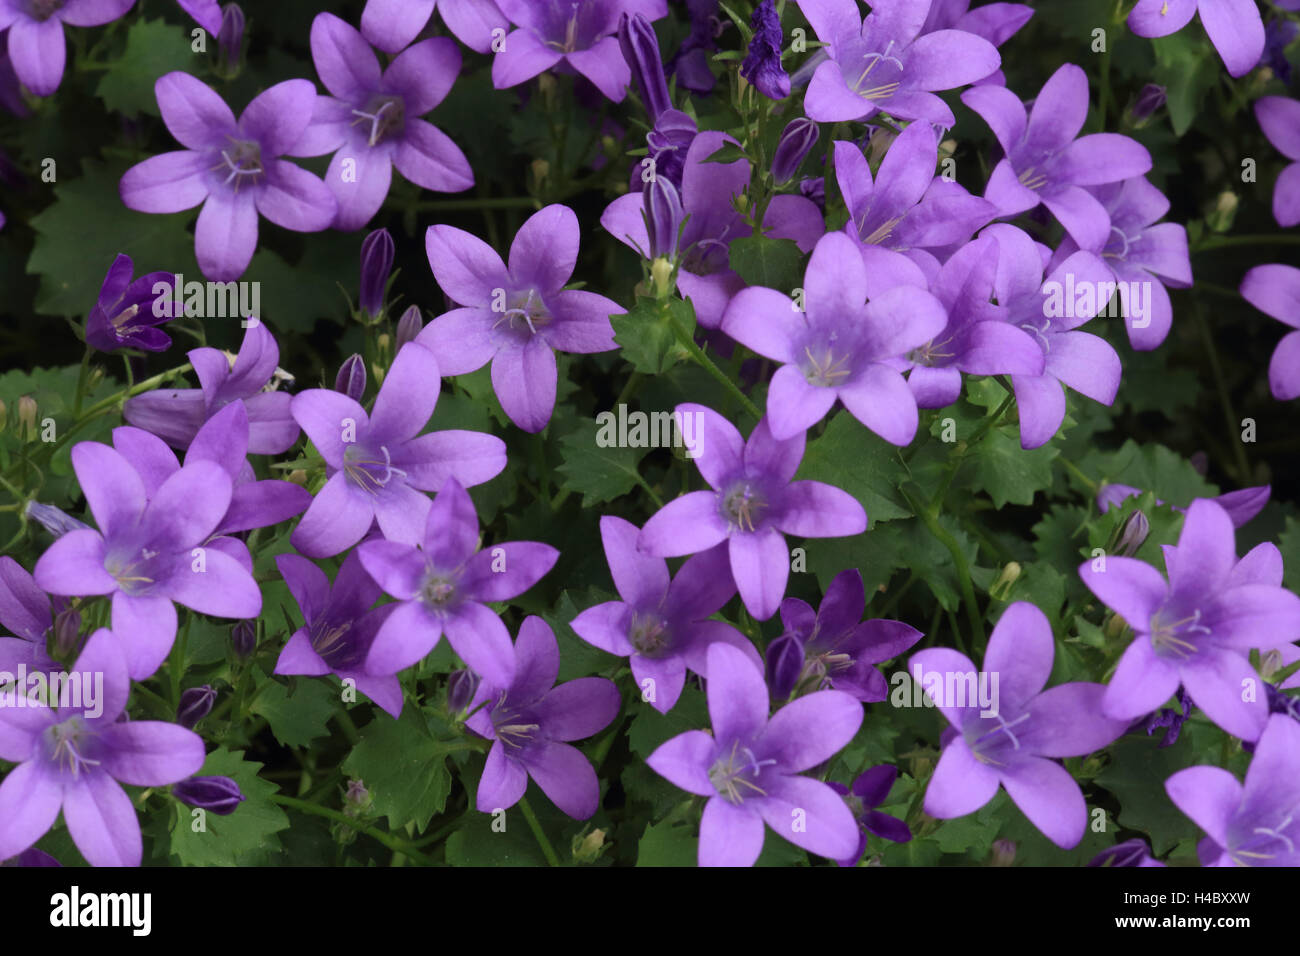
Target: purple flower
1279	118
338	628
1133	853
75	759
124	316
640	46
1235	26
1251	825
530	721
1015	740
1170	720
149	552
377	465
1047	161
579	33
690	65
1275	291
232	168
995	22
883	63
749	768
869	791
839	345
444	586
515	316
1196	629
762	65
1241	505
662	626
752	505
371	123
36	43
176	414
26	613
392	25
839	648
206	13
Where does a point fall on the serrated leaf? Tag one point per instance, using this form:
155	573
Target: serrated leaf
1008	472
667	844
298	719
403	767
595	464
764	261
850	457
153	49
250	829
646	335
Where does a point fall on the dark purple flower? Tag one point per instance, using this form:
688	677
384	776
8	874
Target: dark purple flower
869	791
36	43
1278	34
1132	853
1169	719
126	313
219	795
762	65
690	65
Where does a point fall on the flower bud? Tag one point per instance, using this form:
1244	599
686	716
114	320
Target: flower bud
1132	534
640	48
1001	588
67	630
461	685
196	703
27	418
664	215
784	664
351	380
796	142
356	799
376	265
587	848
1270	663
230	40
409	326
1224	212
1004	853
1149	99
243	640
219	795
52	519
298	477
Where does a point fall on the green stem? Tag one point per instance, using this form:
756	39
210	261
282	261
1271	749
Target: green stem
940	533
535	825
688	342
387	840
1234	437
1073	469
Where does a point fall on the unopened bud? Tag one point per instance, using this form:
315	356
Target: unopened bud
640	46
461	685
1004	853
356	799
52	519
1132	534
663	216
783	665
298	477
661	277
1270	663
376	265
243	640
796	142
351	380
27	418
1001	588
588	848
409	326
230	40
67	631
196	703
1149	99
219	795
1224	213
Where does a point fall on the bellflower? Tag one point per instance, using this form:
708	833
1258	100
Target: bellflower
36	43
392	25
883	63
176	414
869	791
762	64
839	648
1197	628
75	760
530	722
752	505
1275	291
1279	118
149	552
995	22
578	33
339	627
1234	26
661	625
705	275
515	315
1047	161
839	345
124	315
379	464
371	122
1017	745
1255	824
231	167
749	768
445	585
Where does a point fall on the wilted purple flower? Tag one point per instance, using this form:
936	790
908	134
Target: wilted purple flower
1196	629
125	315
839	345
1275	291
371	121
76	759
749	767
1130	853
1235	26
376	265
1047	161
869	791
176	414
1149	99
1015	740
1169	719
640	46
667	144
752	505
36	43
219	795
351	379
1251	825
196	703
530	721
148	552
379	463
883	63
338	628
762	64
839	648
445	585
409	327
796	142
662	626
1279	118
515	316
232	168
814	188
579	33
54	520
206	13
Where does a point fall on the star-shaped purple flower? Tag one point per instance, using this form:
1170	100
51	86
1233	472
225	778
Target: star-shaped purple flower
1234	26
36	43
869	791
1275	291
233	168
124	315
750	766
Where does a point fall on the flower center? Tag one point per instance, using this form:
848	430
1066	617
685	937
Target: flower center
367	471
1040	333
880	75
991	744
570	25
1031	178
42	10
66	745
137	572
438	591
242	162
736	775
525	313
1265	843
826	365
330	639
931	354
649	633
386	116
515	727
1178	637
743	506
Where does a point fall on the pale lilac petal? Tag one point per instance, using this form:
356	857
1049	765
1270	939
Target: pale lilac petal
101	820
605	626
811	815
465	266
960	785
579	709
1041	402
405	638
169	182
880	399
760	566
737	695
150	753
482	642
522	57
811	509
392	24
299	657
686	525
1217	681
225	236
430	158
812	729
1142	682
719	449
1067	721
503	783
470	457
1237	32
193	112
1047	794
729	835
1210	796
567	777
582	322
794	404
1020	651
338	518
604	65
146	628
461	340
295	199
30	797
684	761
223	589
524	380
639	578
74	565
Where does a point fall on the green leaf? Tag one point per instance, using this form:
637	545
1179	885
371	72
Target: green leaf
850	457
646	333
477	844
298	719
728	153
250	829
763	261
153	49
667	844
1188	69
596	464
649	728
1008	472
403	767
